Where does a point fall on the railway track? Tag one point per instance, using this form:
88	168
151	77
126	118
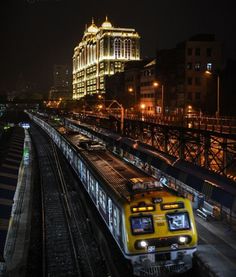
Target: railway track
66	240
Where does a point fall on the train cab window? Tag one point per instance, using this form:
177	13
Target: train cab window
178	221
141	225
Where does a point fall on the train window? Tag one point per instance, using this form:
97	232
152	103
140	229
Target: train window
102	199
178	221
141	225
116	221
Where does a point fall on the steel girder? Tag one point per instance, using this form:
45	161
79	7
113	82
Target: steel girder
213	150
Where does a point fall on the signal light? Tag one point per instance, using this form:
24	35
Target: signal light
142	209
172	206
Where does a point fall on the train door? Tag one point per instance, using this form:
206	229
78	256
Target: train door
110	219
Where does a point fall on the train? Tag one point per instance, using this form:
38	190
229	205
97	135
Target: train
152	225
203	187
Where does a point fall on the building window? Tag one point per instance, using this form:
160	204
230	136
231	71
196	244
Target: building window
189	95
209	52
189	80
101	48
197	51
198	81
197	66
127	48
190	51
117	47
189	66
209	67
198	95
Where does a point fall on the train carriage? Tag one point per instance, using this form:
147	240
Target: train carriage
153	227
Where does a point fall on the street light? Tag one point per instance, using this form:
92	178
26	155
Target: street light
142	107
131	91
156	84
217	92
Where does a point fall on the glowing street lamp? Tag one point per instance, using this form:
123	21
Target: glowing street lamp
217	92
156	84
142	106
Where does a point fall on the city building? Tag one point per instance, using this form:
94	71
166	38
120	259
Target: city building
150	101
103	51
61	83
125	86
188	74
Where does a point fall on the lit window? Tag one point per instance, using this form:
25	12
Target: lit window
209	67
117	47
127	49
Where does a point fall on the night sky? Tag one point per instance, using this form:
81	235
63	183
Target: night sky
35	34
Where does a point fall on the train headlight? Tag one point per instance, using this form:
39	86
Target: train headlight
142	244
183	240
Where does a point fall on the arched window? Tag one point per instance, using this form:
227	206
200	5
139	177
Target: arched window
127	47
117	47
101	48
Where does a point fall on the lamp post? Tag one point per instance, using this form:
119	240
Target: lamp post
162	100
217	92
156	84
142	107
132	90
218	96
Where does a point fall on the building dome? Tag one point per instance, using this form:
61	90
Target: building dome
106	24
92	28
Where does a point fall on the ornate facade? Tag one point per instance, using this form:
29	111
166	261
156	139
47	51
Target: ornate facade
102	51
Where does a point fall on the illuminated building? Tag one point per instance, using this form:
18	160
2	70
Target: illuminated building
102	52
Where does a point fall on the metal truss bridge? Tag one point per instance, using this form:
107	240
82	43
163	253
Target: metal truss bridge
210	143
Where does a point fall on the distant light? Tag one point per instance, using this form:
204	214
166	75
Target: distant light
25	125
142	106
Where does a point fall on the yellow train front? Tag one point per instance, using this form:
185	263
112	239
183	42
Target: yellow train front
161	234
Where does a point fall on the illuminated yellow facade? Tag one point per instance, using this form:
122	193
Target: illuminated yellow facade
102	51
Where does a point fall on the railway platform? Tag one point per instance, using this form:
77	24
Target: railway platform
17	242
216	254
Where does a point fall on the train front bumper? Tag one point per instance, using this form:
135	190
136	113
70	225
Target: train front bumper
164	263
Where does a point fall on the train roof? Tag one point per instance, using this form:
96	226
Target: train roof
110	167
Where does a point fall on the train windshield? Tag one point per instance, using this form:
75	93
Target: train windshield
142	225
178	221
